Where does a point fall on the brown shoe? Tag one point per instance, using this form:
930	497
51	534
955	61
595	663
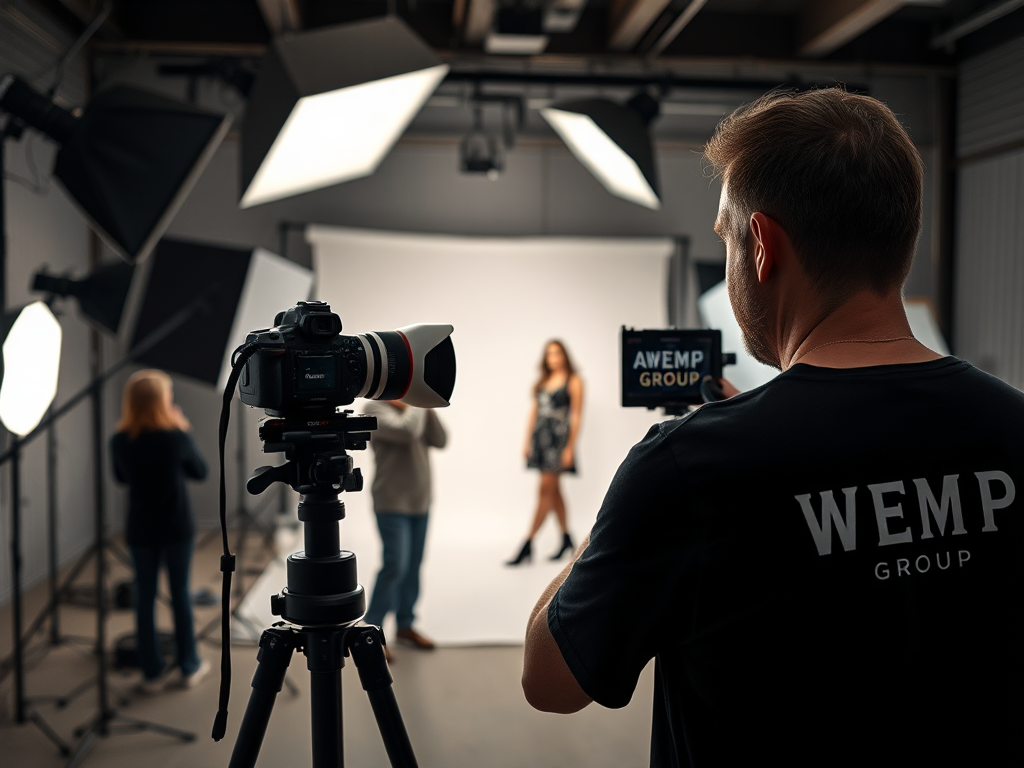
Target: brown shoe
410	636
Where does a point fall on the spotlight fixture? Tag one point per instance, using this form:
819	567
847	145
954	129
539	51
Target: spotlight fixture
479	152
329	104
128	162
613	142
31	362
101	295
518	30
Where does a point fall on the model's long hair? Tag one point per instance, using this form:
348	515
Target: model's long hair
545	371
146	404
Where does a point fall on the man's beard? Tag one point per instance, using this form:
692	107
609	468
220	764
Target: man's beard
751	310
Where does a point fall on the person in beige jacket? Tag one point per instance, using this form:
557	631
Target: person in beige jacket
401	493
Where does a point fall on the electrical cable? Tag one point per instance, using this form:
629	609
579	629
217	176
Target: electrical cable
227	561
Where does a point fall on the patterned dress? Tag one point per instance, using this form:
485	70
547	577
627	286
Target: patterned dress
550	431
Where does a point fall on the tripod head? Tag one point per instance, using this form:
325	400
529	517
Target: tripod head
323	588
315	446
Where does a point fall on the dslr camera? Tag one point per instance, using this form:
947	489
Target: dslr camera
306	364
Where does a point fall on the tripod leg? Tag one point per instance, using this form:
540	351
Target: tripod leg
325	656
276	646
366	645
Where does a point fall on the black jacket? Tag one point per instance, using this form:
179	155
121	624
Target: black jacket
154	466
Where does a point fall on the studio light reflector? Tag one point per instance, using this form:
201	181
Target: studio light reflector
31	363
128	162
613	142
329	104
101	295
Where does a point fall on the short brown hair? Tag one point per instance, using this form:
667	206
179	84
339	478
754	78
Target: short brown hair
838	172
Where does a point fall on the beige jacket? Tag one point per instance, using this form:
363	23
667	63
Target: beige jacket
400	446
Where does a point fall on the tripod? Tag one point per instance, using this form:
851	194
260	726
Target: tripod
323	598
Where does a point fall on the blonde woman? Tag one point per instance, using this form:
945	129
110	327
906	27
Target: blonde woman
153	455
551	441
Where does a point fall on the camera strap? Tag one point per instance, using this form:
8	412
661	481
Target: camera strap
227	561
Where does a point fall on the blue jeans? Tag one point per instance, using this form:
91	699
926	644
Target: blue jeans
398	582
177	556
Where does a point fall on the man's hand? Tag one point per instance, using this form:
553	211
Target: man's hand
728	388
548	683
180	419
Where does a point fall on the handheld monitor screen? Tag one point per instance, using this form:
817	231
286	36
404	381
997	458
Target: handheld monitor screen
665	367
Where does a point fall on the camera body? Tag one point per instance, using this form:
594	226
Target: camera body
305	363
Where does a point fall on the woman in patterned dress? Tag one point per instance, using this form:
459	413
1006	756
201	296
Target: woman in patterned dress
551	441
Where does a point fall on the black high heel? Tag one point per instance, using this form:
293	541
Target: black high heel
526	553
567	546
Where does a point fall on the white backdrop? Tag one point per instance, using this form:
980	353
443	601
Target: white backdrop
506	297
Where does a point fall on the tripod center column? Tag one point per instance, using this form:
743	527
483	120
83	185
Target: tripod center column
320	514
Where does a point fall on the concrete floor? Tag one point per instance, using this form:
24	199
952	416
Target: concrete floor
462	706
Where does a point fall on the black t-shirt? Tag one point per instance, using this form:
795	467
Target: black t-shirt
884	632
154	466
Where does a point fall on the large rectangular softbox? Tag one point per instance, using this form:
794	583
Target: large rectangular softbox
235	290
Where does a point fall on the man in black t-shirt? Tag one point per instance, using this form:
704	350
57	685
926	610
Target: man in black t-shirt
825	568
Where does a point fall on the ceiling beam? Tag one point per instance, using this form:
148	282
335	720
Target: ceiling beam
677	26
975	22
630	19
828	25
281	16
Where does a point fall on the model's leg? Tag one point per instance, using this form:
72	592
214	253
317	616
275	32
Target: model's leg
395	540
545	501
563	522
147	649
408	590
558	504
179	563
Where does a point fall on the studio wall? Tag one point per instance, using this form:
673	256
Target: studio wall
988	311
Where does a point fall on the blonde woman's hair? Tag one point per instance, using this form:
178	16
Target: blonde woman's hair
146	404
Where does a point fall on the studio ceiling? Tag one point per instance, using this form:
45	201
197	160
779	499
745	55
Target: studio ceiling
878	31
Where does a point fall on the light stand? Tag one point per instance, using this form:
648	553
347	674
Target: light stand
23	713
107	716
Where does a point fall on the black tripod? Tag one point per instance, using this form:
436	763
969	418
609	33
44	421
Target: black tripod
323	599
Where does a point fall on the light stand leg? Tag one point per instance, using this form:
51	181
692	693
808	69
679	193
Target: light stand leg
51	516
19	660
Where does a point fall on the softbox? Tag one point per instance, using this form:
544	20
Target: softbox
239	290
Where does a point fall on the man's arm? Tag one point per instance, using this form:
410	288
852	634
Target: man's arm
548	683
433	430
396	421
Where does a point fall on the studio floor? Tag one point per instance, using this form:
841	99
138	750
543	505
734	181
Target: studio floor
463	706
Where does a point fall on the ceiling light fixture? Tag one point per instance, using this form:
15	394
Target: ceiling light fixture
613	142
328	105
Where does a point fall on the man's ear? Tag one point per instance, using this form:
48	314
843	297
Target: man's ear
765	244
